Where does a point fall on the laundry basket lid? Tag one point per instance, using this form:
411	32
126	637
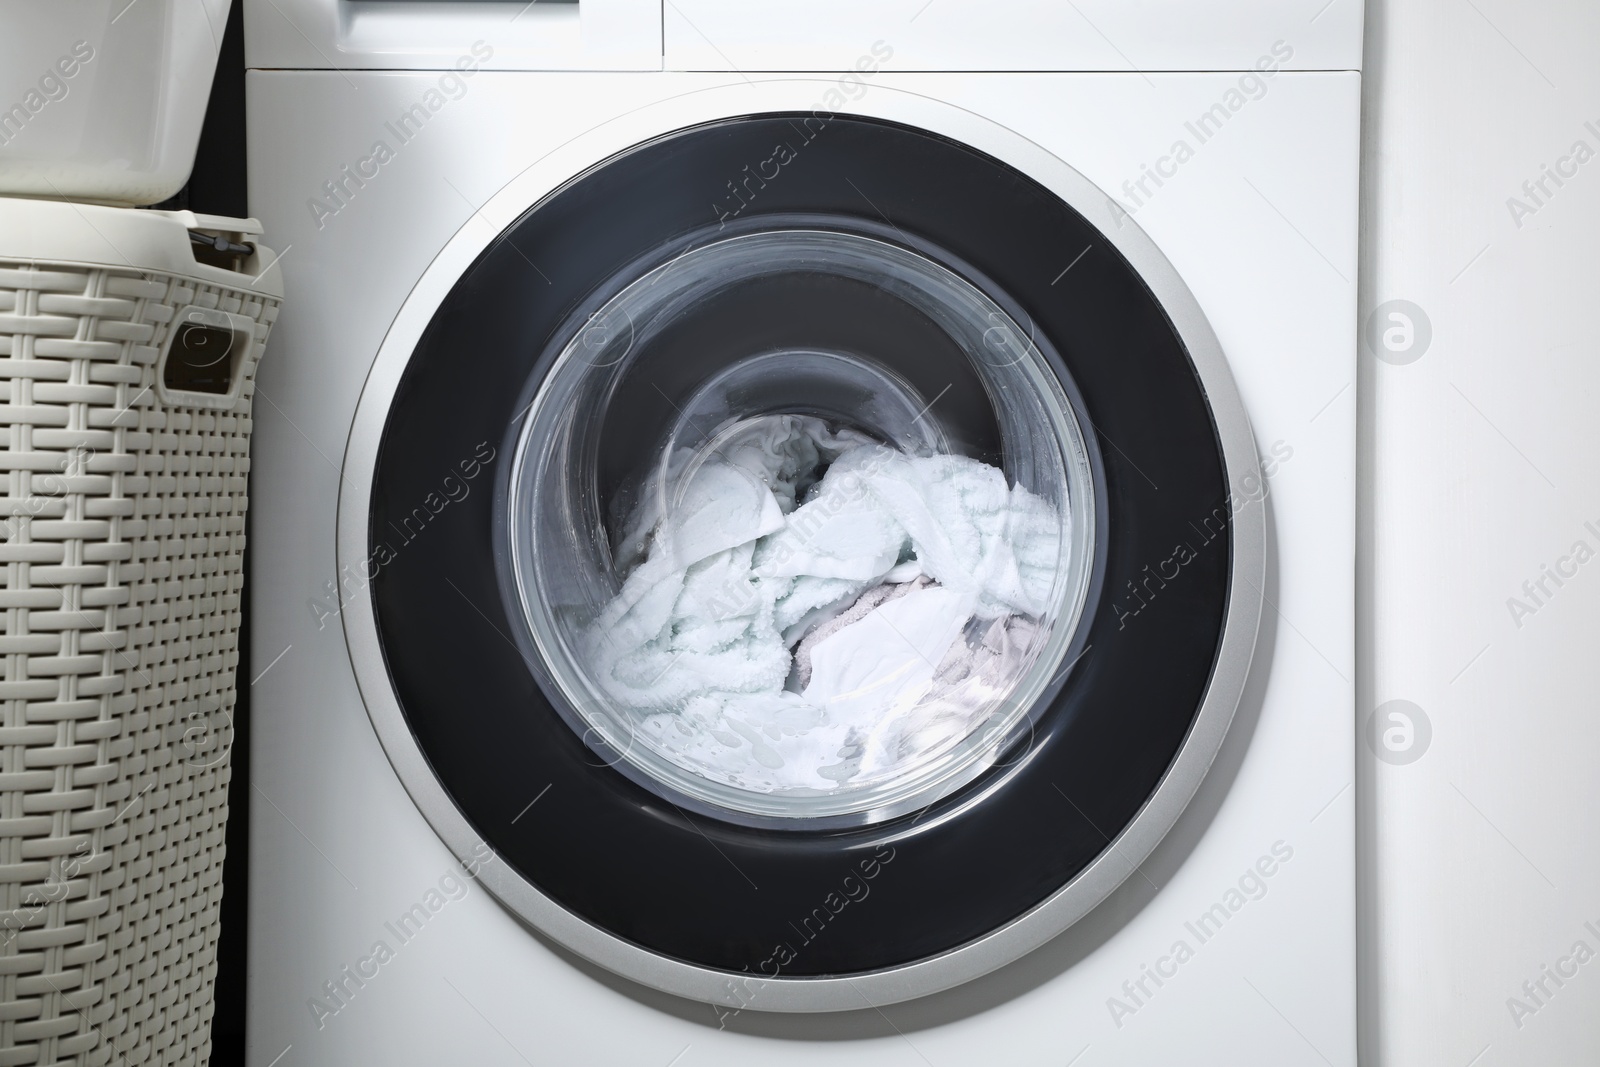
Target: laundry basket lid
174	242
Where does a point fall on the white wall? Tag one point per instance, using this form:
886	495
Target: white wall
1481	856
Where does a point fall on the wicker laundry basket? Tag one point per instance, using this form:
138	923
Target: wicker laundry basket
128	351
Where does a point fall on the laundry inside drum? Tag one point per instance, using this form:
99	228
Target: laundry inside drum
790	586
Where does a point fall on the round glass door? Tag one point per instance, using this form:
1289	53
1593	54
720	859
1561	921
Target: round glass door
826	591
714	561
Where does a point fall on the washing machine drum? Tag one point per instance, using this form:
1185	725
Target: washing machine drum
825	525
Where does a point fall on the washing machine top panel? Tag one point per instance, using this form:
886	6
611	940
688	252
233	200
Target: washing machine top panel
1127	36
631	861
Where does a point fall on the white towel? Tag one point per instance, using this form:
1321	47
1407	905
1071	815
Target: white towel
742	554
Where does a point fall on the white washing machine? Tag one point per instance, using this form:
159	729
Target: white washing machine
811	534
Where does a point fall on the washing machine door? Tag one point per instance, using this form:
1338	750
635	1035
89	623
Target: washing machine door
803	551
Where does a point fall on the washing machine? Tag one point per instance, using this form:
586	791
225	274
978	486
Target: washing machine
816	533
